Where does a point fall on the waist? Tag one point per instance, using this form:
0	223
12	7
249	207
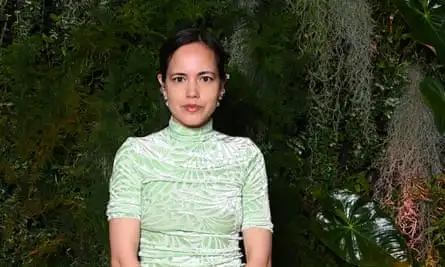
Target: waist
178	248
191	261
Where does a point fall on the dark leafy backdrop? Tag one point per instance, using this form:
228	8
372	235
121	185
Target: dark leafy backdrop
321	86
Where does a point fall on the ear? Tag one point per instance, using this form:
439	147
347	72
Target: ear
159	76
222	89
161	83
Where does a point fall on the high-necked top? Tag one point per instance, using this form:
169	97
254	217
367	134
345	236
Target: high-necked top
194	190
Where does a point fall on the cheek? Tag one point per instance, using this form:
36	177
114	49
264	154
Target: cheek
174	92
211	100
211	92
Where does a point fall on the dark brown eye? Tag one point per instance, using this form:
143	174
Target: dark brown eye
178	79
207	78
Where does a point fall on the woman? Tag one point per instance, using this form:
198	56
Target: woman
181	196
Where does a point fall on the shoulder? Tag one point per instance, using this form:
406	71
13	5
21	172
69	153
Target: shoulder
132	148
127	150
140	145
245	147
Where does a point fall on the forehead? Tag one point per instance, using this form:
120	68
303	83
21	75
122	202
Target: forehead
194	56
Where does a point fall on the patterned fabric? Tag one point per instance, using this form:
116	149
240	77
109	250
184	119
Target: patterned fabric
193	190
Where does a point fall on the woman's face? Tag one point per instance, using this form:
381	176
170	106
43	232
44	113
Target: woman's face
192	85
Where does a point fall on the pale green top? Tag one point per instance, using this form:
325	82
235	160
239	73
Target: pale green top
193	190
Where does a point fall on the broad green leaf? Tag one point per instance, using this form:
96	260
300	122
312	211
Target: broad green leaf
359	232
434	95
426	18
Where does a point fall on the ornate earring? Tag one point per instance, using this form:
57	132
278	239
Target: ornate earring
220	97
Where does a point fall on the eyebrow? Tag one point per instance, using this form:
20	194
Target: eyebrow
200	73
206	72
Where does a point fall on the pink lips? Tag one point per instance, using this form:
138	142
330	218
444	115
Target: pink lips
191	108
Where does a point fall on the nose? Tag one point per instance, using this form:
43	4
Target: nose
192	90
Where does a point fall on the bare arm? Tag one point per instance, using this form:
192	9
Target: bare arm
258	246
124	242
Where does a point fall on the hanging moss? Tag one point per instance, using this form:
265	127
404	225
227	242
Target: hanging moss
237	44
338	37
412	157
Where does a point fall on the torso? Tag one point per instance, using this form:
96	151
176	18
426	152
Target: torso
191	199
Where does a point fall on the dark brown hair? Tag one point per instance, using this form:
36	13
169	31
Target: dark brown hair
188	36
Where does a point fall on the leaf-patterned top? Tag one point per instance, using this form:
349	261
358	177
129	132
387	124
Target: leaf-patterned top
194	190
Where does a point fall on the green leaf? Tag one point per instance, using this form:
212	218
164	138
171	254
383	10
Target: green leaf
359	232
426	18
434	96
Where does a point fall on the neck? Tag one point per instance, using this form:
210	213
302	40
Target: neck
184	133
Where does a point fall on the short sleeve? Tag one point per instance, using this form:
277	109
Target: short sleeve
125	184
255	196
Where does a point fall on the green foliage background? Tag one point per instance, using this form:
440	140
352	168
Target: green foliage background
77	79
